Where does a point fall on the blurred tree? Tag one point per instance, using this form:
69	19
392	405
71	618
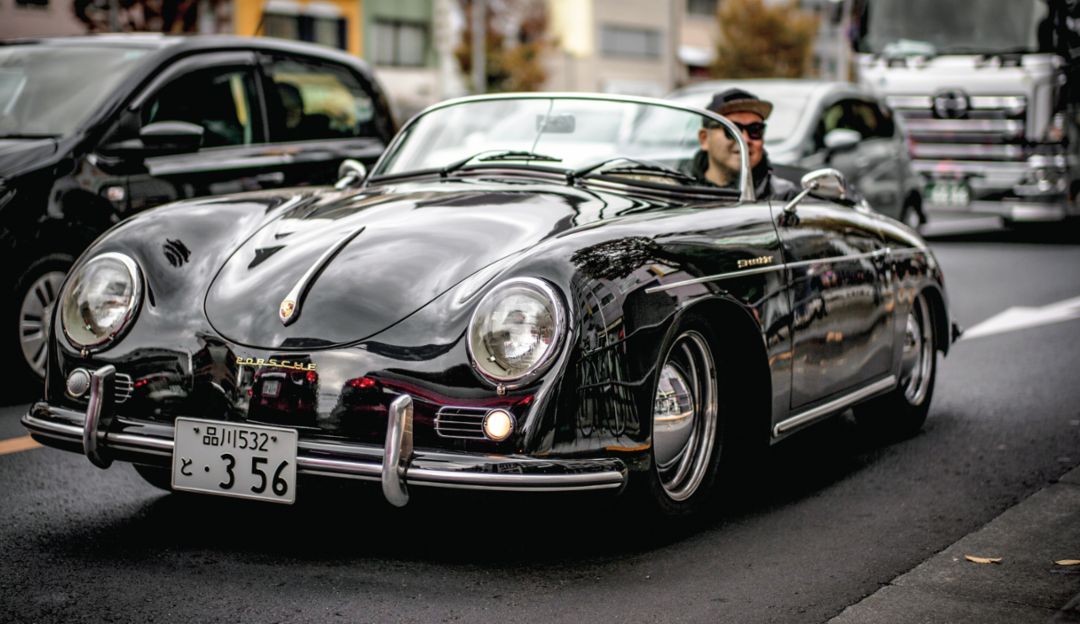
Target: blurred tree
516	40
764	41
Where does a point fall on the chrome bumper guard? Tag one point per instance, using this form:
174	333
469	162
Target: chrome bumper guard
396	464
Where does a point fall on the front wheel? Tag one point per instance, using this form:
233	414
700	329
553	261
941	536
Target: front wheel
30	315
686	426
903	410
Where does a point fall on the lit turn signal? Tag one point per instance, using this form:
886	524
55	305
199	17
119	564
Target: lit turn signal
498	425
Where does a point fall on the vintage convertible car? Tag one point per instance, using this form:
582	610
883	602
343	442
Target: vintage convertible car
550	307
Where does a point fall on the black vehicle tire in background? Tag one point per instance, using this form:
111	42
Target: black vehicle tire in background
688	416
911	215
29	315
902	412
156	476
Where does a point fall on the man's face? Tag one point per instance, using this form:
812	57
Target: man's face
725	151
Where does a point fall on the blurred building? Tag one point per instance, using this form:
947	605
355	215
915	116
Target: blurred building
38	18
614	46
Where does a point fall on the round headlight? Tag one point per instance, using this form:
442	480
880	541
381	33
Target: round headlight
100	299
516	329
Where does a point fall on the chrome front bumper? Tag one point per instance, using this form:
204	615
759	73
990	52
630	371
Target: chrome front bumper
396	464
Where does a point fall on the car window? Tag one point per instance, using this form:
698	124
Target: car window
222	101
863	117
309	100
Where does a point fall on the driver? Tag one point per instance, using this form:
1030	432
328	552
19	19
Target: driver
718	163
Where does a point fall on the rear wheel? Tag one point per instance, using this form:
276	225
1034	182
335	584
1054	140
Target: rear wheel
686	424
903	410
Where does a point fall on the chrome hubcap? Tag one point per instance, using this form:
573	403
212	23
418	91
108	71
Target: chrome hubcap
918	353
685	416
35	316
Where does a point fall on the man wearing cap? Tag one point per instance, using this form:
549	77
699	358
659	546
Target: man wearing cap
718	162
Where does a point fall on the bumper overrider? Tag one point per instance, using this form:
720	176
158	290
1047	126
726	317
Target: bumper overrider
102	438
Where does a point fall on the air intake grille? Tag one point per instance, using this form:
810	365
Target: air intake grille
461	422
122	387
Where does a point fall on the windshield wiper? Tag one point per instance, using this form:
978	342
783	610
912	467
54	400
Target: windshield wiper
490	155
635	166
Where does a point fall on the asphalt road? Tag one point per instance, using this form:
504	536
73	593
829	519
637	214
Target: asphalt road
828	518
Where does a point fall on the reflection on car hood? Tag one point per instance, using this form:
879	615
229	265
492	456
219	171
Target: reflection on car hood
408	248
18	155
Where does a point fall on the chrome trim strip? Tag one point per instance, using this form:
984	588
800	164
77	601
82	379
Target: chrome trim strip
964	150
791	265
398	451
97	416
299	291
882	385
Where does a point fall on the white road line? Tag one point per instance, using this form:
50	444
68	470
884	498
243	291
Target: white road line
1025	317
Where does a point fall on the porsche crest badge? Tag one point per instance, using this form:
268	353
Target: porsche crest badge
286	310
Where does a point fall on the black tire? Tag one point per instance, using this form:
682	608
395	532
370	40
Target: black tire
684	461
156	476
911	215
37	288
902	412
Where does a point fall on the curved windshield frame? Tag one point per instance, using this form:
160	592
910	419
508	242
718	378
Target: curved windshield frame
48	91
634	139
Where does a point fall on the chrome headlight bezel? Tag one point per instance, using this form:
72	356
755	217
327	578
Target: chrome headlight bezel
134	274
560	319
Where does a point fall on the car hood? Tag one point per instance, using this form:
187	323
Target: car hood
398	251
18	155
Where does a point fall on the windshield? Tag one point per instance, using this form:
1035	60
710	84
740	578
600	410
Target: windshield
789	106
49	91
588	136
929	27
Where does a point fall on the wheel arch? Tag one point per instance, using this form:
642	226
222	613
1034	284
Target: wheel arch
939	316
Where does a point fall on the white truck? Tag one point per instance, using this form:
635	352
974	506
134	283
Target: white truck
989	91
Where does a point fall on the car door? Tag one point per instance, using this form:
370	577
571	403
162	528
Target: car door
840	299
874	165
221	93
321	113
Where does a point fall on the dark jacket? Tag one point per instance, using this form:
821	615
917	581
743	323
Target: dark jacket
766	185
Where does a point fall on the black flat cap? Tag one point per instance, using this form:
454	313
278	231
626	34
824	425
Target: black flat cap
737	101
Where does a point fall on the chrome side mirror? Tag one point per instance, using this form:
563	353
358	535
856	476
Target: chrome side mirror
828	183
350	172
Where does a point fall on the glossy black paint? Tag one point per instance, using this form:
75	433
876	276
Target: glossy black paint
389	314
58	194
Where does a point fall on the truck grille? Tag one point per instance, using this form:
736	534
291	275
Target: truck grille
951	126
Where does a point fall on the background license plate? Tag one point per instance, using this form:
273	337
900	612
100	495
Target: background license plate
953	194
245	461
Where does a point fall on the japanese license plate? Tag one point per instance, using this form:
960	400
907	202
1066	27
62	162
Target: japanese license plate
949	193
271	388
245	461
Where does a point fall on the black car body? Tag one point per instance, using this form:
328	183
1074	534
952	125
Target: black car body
534	306
817	123
93	129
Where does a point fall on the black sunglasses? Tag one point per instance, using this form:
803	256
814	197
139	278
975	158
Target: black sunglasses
755	129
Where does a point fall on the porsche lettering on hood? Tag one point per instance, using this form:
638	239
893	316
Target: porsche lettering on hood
385	273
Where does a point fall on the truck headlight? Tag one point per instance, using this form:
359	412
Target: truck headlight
516	330
100	300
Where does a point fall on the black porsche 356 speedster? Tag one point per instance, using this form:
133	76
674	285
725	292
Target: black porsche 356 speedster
529	292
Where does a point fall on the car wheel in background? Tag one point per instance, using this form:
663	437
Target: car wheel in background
30	314
902	411
911	216
687	426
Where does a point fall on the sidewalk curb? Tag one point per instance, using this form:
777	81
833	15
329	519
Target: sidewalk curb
1027	586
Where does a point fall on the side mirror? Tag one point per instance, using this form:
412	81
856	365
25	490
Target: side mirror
841	140
161	138
828	183
350	172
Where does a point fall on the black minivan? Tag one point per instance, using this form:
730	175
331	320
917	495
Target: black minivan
96	128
